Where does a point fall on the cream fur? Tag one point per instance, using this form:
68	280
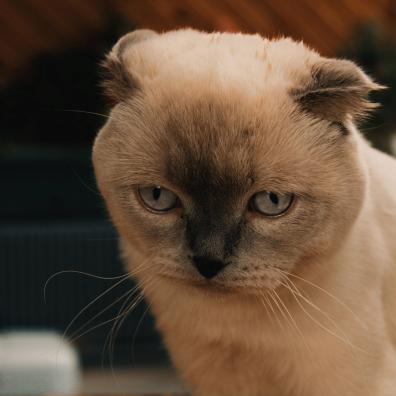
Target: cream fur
338	337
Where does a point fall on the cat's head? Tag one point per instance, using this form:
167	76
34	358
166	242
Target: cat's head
229	159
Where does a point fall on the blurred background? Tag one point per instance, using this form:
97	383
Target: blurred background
52	219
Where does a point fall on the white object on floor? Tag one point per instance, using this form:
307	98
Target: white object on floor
37	362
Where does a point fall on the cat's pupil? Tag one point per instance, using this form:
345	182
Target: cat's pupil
156	192
274	198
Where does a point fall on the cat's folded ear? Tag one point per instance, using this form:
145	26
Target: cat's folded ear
335	90
119	82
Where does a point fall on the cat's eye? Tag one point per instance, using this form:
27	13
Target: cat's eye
157	198
269	203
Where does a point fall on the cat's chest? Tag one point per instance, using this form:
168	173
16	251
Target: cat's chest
242	346
224	329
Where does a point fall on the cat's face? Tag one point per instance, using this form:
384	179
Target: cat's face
227	184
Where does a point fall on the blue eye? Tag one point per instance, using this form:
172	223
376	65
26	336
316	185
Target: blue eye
269	203
157	198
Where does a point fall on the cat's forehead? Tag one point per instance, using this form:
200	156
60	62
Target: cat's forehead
210	148
220	142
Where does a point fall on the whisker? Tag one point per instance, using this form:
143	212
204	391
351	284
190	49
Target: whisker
140	322
293	322
272	296
85	184
123	278
123	308
269	295
309	301
79	273
317	322
83	112
124	312
267	310
116	327
79	111
336	299
121	314
93	328
140	297
137	329
91	303
265	296
100	313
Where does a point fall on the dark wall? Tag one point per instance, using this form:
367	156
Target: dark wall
52	218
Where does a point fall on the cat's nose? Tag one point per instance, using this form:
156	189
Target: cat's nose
208	267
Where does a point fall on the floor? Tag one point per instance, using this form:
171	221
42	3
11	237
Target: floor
144	380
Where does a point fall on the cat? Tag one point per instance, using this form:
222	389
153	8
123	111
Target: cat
257	220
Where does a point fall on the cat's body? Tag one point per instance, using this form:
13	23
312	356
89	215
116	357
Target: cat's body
228	346
328	325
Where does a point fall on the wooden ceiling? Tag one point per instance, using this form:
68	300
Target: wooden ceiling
31	26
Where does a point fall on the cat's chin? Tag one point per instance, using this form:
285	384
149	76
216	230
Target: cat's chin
219	287
196	284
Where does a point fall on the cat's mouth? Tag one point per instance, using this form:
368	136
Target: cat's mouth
226	281
201	284
219	286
